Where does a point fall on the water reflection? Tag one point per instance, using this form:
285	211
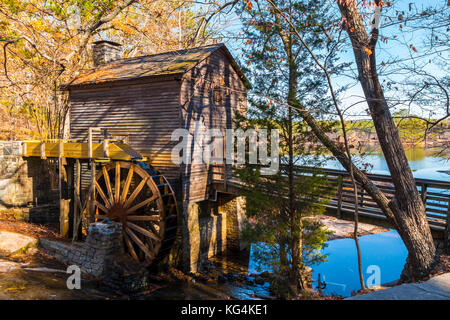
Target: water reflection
385	250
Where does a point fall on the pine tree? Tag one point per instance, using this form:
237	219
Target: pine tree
282	207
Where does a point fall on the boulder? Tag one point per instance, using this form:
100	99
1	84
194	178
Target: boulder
11	243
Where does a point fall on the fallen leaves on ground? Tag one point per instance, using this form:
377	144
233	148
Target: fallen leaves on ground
29	229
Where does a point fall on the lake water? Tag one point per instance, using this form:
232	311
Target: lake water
383	252
425	163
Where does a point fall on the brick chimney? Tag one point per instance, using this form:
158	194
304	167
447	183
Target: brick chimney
106	51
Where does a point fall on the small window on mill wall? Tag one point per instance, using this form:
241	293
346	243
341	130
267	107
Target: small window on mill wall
218	96
241	105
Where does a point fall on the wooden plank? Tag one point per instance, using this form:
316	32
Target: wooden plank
130	246
63	202
77	150
91	195
154	218
77	202
90	150
139	243
42	150
142	204
447	230
108	185
69	195
135	193
143	231
148	123
117	183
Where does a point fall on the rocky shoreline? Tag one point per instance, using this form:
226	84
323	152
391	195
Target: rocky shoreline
344	229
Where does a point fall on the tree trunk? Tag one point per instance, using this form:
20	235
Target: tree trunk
407	206
295	218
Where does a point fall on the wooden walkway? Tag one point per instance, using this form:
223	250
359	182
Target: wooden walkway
435	195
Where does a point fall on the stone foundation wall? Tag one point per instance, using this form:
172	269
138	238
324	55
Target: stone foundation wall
26	191
102	246
102	255
210	228
235	215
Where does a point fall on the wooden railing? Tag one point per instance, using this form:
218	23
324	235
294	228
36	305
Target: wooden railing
435	195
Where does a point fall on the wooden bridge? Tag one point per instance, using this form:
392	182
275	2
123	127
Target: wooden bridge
435	196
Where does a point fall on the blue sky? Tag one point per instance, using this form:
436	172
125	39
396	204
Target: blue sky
398	46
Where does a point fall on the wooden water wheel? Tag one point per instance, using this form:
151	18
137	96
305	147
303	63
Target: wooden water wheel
143	201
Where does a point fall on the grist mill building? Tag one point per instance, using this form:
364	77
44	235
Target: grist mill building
146	99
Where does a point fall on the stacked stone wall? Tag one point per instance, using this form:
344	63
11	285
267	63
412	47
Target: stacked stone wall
102	256
103	244
26	190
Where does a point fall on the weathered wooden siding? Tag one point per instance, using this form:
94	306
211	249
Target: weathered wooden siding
197	104
147	112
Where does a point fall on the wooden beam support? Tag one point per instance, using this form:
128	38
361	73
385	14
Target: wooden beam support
42	151
77	207
91	195
69	164
447	230
106	148
423	193
90	154
64	203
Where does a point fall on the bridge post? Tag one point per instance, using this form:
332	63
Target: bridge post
423	192
362	197
447	230
339	205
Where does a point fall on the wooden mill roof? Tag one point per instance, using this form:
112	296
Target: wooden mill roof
161	64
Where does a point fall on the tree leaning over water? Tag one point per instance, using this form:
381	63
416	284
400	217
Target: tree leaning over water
408	211
405	211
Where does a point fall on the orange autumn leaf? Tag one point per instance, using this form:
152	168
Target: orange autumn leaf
368	51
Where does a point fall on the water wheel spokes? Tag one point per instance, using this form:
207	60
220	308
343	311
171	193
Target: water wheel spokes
126	193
